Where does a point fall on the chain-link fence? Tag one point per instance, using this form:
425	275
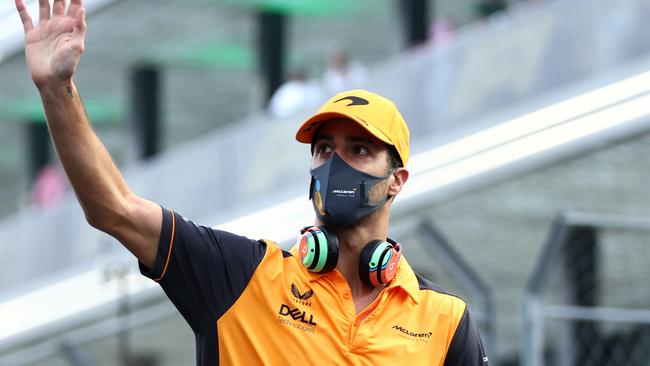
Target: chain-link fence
588	301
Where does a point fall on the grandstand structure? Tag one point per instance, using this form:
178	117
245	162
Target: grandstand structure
528	193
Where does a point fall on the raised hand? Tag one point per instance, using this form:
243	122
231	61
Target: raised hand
54	47
53	50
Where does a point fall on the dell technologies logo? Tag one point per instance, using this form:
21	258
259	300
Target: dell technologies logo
296	318
296	314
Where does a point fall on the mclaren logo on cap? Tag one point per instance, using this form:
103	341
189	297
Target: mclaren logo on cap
354	101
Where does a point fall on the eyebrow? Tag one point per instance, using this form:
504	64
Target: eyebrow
327	137
353	139
367	140
320	137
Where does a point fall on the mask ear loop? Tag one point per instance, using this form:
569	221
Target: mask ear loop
380	203
364	197
311	188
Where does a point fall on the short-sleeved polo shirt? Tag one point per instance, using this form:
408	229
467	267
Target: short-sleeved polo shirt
251	303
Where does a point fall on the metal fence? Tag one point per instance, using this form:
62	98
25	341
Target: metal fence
588	300
432	255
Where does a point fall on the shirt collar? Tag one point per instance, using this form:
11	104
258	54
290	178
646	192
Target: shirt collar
404	279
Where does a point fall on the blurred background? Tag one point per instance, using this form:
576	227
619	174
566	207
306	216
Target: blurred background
530	135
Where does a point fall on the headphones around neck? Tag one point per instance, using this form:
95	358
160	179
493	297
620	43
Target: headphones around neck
319	253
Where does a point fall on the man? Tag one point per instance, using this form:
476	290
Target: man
344	295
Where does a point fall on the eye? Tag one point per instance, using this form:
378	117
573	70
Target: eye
323	149
360	150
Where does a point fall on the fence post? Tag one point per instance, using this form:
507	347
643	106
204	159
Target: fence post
271	49
146	109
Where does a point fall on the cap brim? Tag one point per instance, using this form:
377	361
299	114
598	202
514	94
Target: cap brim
307	130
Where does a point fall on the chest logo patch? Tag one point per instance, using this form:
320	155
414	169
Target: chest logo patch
296	318
301	296
411	335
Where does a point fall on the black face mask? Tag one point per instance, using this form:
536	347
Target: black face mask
340	193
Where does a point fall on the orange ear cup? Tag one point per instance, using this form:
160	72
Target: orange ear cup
388	273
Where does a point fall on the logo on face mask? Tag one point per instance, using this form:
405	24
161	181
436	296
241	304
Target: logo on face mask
351	193
318	199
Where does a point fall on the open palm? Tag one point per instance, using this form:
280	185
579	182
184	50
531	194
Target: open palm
54	47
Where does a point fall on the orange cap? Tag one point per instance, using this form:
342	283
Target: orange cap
373	112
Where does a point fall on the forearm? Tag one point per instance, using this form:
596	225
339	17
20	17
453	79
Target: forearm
99	186
53	50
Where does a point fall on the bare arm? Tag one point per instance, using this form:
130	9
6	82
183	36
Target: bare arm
53	50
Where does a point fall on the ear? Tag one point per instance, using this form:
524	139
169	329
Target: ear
401	175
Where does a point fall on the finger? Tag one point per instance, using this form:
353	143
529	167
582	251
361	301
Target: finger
24	16
74	7
43	10
80	25
58	7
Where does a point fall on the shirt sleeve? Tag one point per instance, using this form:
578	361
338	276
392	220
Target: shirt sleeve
202	270
466	347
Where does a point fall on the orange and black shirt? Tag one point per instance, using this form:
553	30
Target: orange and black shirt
251	303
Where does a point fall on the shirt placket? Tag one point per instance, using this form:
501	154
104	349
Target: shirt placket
358	329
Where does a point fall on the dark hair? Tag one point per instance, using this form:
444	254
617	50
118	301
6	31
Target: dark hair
394	161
